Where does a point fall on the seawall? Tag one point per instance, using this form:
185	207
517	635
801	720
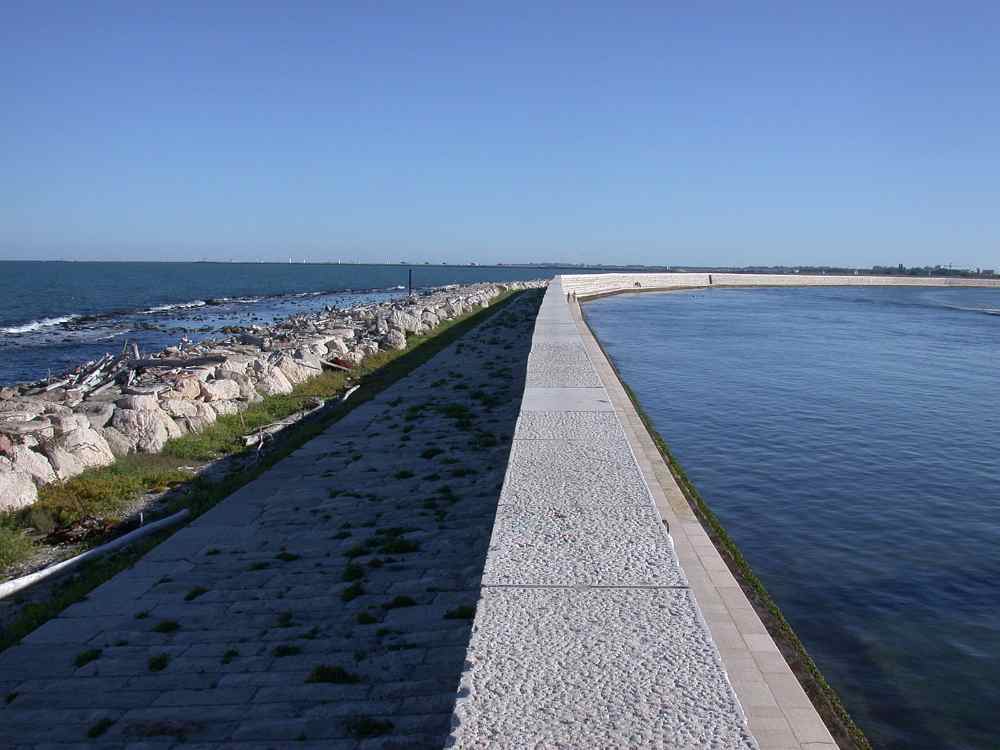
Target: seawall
606	616
585	285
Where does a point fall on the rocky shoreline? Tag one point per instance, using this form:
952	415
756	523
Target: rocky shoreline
134	403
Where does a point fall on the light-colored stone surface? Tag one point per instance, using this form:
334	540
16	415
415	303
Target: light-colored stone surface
606	283
587	634
595	668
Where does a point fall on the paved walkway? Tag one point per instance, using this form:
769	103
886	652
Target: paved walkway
597	627
325	605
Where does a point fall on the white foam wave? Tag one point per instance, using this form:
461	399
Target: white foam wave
178	306
36	324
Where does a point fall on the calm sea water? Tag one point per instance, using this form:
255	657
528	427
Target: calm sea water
54	316
849	440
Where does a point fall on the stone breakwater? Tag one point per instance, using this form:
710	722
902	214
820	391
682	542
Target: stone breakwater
585	285
55	430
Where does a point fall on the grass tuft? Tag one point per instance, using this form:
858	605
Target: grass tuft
333	673
99	727
85	657
194	593
158	662
361	727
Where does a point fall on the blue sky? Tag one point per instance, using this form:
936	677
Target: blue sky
729	133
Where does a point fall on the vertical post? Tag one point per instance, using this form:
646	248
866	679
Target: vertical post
411	282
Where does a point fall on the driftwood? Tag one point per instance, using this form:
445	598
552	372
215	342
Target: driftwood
170	363
334	365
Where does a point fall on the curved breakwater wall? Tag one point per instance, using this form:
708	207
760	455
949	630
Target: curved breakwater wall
608	283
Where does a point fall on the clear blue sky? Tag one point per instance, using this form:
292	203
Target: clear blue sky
729	133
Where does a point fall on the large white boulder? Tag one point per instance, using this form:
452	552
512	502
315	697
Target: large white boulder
297	370
396	339
204	417
220	390
147	429
76	450
138	402
98	413
272	381
33	464
119	444
404	321
17	489
64	463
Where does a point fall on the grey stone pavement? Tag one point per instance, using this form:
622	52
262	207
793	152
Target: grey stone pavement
327	604
607	618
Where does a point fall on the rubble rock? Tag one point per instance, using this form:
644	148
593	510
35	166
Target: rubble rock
297	370
17	489
138	402
220	390
147	429
65	464
396	339
33	464
117	442
272	381
98	413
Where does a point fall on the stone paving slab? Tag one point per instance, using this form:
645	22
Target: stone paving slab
619	546
562	364
608	668
593	427
565	399
572	473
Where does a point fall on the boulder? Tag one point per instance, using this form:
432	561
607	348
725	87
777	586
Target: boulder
177	407
187	387
227	407
220	390
147	429
204	417
33	464
117	442
272	381
16	487
430	319
336	346
39	428
395	339
247	391
297	370
7	394
87	446
98	413
63	425
355	358
368	347
404	321
138	403
65	464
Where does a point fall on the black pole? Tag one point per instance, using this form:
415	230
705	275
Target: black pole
411	281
